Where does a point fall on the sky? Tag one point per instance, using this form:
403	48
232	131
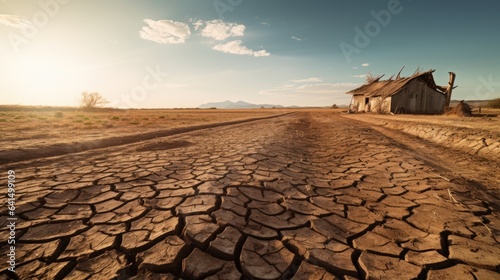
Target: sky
183	53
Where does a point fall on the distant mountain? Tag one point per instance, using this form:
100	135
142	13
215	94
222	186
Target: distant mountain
236	105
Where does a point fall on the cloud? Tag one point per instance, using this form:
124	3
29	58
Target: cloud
219	30
362	76
327	87
265	23
355	67
296	38
197	24
308	80
165	31
313	89
235	47
311	94
365	64
15	21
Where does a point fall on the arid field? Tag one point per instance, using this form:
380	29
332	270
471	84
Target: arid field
38	128
251	194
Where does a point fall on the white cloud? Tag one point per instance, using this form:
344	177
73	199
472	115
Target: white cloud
312	94
265	23
365	64
308	80
355	67
296	38
235	47
165	31
362	76
316	89
327	87
197	24
219	30
15	21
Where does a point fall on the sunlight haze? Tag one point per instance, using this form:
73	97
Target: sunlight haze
166	54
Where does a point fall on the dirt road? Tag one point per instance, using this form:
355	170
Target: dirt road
302	196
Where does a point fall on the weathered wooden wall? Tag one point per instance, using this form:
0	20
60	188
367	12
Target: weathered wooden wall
417	98
359	102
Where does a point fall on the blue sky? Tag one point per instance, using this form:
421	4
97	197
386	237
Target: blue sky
182	53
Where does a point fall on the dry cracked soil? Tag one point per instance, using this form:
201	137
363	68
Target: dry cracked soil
308	195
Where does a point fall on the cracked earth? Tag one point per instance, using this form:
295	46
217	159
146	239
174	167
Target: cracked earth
308	195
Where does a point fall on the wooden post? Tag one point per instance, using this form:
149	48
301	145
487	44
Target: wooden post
350	104
399	74
449	89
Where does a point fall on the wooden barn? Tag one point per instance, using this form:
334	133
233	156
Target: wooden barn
417	94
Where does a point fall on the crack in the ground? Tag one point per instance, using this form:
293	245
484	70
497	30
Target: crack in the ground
263	178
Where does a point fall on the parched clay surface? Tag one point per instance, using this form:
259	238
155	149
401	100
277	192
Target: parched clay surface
311	195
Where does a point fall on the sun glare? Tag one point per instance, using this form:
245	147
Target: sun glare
44	76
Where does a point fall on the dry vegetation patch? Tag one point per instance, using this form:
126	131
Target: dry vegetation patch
31	128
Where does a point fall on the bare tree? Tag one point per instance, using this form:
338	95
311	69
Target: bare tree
370	78
92	100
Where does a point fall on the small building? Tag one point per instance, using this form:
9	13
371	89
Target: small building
417	94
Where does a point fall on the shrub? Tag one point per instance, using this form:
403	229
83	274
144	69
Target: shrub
370	78
381	105
58	114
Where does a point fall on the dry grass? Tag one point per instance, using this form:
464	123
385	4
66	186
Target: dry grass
29	128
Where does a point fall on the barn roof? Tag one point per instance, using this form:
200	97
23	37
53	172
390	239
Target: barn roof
392	86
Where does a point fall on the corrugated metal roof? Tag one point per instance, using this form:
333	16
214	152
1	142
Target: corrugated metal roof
391	87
